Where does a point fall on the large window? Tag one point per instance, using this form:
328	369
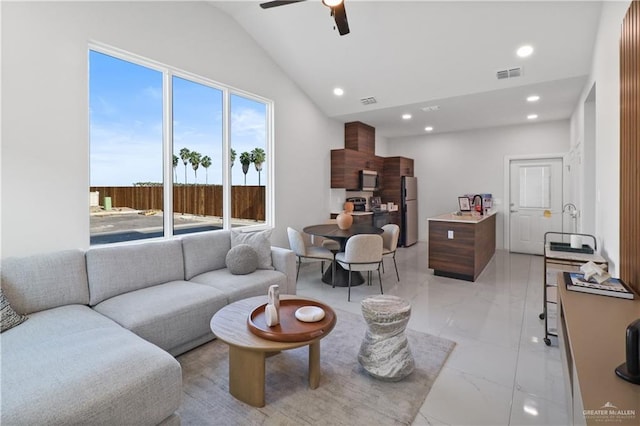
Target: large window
173	153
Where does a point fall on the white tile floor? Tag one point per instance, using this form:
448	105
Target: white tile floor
501	372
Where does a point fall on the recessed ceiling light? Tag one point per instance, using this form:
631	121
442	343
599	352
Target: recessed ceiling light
428	129
338	91
406	116
524	51
533	98
532	116
332	3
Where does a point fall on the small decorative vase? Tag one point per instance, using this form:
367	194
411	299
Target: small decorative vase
344	220
348	207
272	310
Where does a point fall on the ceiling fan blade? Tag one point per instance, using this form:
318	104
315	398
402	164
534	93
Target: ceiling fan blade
271	4
340	15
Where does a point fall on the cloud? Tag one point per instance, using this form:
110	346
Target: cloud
154	93
248	122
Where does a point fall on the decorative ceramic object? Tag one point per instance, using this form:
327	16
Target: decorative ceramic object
271	315
344	220
309	313
348	207
272	310
274	296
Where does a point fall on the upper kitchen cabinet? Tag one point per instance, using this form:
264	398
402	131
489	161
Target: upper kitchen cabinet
346	165
398	166
394	169
360	137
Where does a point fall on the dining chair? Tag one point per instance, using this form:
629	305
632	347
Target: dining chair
309	252
363	252
390	238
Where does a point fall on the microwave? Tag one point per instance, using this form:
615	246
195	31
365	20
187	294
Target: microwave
368	180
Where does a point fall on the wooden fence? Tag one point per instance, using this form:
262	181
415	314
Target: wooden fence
247	202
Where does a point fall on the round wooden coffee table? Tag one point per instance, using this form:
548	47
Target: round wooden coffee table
247	351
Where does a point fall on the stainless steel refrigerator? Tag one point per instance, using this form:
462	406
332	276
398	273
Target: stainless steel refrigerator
409	211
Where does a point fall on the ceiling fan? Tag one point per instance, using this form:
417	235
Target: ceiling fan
337	11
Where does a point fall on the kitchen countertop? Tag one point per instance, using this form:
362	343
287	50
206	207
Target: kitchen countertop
464	218
367	212
355	213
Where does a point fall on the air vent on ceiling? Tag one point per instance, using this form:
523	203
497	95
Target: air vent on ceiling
509	73
431	108
368	101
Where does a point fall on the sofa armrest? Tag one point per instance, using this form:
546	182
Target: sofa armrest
284	260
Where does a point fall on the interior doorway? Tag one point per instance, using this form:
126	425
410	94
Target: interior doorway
535	202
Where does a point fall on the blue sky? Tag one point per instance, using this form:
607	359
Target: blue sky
125	102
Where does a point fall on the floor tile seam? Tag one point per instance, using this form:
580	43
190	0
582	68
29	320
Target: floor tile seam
430	417
475	375
515	376
543	398
484	342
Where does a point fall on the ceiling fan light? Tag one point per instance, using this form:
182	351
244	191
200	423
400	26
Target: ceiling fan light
331	3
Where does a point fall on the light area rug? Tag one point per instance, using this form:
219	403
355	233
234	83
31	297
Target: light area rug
347	395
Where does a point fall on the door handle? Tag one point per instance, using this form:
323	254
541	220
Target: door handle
514	211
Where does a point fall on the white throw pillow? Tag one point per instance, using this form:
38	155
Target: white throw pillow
259	241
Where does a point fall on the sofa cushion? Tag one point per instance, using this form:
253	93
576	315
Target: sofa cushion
242	260
120	269
237	287
45	281
168	315
8	317
71	365
260	243
205	251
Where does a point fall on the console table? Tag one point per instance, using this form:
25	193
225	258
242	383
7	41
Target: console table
591	336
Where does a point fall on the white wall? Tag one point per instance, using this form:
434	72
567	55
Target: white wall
605	73
451	164
45	110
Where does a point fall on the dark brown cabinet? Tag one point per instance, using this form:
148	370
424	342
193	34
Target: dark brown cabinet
360	137
459	249
345	166
359	154
394	169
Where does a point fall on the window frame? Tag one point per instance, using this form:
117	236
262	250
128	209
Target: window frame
168	72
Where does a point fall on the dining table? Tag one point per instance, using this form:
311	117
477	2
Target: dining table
333	232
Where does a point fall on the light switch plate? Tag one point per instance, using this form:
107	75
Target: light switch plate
450	235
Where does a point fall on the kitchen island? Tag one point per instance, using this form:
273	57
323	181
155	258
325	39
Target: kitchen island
460	246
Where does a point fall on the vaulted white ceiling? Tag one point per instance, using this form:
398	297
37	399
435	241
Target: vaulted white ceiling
414	54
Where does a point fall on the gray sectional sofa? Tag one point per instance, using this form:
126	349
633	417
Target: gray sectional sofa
104	326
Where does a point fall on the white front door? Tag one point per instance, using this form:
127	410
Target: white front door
536	203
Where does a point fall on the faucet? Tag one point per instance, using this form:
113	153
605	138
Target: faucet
474	203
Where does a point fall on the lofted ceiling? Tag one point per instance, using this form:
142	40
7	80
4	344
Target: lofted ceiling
409	55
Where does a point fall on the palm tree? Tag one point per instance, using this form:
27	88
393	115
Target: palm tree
232	156
206	162
245	160
257	157
195	159
184	155
175	165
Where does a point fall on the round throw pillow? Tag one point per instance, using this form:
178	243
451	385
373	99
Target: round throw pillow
242	259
